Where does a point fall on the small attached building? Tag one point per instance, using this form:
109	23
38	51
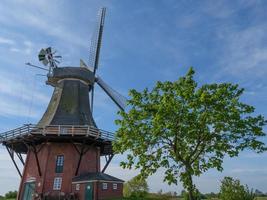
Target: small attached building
97	186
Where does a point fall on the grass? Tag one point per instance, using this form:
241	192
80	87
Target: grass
7	199
156	198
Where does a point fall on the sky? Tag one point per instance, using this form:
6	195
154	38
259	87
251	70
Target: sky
144	41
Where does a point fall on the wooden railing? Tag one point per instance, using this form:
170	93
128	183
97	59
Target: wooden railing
59	130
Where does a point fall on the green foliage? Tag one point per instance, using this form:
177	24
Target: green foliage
186	129
164	196
197	195
11	195
211	195
233	190
137	187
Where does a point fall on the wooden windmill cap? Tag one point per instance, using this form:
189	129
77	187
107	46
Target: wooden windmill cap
80	73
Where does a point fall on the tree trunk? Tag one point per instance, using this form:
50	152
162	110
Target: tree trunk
190	185
191	188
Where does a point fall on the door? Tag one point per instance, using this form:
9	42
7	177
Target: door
28	191
89	191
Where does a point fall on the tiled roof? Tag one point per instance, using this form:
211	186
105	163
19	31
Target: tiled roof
95	176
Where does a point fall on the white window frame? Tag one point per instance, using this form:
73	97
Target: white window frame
57	183
60	160
115	186
59	163
77	186
104	186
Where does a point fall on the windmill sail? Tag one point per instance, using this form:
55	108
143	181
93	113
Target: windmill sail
117	98
95	47
96	40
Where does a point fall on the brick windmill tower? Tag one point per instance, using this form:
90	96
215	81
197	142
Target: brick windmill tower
63	150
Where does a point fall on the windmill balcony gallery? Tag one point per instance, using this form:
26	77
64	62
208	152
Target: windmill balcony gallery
63	150
56	130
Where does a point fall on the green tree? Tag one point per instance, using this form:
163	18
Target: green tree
137	187
186	129
11	195
233	190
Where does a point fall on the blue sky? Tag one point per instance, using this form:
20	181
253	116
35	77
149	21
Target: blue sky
144	41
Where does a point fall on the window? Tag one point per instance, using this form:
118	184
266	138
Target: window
77	186
59	164
115	186
104	186
57	183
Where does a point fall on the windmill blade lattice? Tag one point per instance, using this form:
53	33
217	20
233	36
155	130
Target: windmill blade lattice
95	47
116	97
97	40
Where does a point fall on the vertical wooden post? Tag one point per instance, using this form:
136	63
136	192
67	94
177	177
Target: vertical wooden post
80	159
37	160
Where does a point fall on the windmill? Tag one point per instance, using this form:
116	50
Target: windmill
67	139
48	56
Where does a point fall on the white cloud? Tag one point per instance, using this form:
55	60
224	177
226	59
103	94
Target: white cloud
6	41
11	107
13	49
17	44
20	96
252	155
245	52
28	47
223	9
13	86
40	16
249	170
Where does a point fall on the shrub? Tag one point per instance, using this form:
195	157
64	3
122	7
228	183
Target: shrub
233	190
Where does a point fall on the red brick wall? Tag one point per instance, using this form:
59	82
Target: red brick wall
110	193
47	158
80	193
99	193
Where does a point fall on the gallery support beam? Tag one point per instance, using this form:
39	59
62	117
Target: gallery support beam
108	160
11	153
20	158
